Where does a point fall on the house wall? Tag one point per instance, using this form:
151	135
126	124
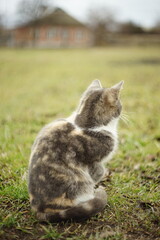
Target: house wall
49	36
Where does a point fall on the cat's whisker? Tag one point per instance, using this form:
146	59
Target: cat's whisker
125	114
124	117
126	121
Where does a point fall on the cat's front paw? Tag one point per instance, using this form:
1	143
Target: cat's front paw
106	172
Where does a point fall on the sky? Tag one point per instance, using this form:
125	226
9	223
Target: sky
143	12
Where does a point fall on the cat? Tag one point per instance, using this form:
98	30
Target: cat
68	156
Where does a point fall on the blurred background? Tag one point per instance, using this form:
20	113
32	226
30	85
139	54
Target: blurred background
52	50
61	23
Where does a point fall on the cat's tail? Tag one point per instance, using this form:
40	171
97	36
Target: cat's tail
81	211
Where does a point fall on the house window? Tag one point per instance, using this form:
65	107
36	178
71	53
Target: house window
65	34
37	33
51	33
79	35
31	32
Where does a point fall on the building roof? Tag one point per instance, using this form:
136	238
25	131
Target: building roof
57	17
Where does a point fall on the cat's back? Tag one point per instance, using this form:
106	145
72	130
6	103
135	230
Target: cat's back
54	169
51	139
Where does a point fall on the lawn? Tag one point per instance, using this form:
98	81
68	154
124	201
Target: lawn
38	86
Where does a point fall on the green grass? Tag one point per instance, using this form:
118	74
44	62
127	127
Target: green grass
37	86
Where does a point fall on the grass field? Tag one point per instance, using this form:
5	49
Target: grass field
37	86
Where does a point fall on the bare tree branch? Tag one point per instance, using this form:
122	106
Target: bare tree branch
102	20
30	10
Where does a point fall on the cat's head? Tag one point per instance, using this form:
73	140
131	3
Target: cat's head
98	105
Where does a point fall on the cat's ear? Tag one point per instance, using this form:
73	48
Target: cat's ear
94	85
111	95
117	87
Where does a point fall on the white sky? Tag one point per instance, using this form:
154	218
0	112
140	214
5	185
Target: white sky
143	12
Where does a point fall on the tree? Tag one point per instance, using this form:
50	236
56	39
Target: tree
156	28
1	21
4	33
30	10
102	21
130	28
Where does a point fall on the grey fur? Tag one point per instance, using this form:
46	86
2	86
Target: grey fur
66	159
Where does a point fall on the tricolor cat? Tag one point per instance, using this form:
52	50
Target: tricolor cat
68	156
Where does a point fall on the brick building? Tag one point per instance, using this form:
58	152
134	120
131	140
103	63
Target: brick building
58	29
